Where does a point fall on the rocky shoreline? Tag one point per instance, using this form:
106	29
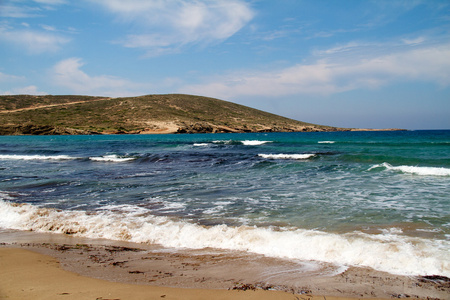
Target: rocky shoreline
31	129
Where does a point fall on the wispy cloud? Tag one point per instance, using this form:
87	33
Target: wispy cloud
28	90
6	77
164	26
415	41
328	76
348	47
17	9
10	10
51	2
33	41
67	73
48	27
18	80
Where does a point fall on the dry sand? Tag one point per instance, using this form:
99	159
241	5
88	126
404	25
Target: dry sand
50	266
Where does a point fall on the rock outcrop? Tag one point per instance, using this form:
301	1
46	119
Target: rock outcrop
31	129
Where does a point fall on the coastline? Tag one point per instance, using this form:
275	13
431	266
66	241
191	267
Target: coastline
168	128
130	271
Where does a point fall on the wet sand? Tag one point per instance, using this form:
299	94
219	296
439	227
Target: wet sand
48	266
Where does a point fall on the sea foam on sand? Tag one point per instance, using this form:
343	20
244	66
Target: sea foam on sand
388	251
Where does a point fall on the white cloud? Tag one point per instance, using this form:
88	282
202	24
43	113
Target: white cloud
6	77
330	76
11	80
15	11
48	27
28	90
342	48
33	41
415	41
67	73
278	34
167	25
18	9
50	2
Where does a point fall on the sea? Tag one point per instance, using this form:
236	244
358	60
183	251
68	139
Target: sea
377	199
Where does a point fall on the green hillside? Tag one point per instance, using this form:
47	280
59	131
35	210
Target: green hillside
174	113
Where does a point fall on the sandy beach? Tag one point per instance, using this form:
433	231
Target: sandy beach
29	275
48	266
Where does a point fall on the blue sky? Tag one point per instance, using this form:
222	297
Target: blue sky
348	63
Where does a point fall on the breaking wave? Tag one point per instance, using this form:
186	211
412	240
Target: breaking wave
388	251
104	158
36	157
426	171
111	158
254	143
287	156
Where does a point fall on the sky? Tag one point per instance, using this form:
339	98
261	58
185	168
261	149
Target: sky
345	63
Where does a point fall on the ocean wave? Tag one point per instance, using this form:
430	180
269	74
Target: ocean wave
287	156
111	158
245	142
254	143
224	142
104	158
326	142
36	157
425	171
389	252
201	144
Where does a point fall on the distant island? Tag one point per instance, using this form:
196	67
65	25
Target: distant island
149	114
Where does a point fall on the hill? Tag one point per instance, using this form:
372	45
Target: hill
173	113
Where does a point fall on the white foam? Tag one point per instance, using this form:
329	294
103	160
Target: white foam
388	252
218	207
125	208
286	156
429	230
173	206
326	142
426	171
36	157
254	143
201	144
111	158
393	230
227	142
5	196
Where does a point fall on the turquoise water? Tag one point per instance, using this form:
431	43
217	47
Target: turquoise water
377	199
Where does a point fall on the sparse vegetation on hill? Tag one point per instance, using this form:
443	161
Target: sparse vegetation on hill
174	113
